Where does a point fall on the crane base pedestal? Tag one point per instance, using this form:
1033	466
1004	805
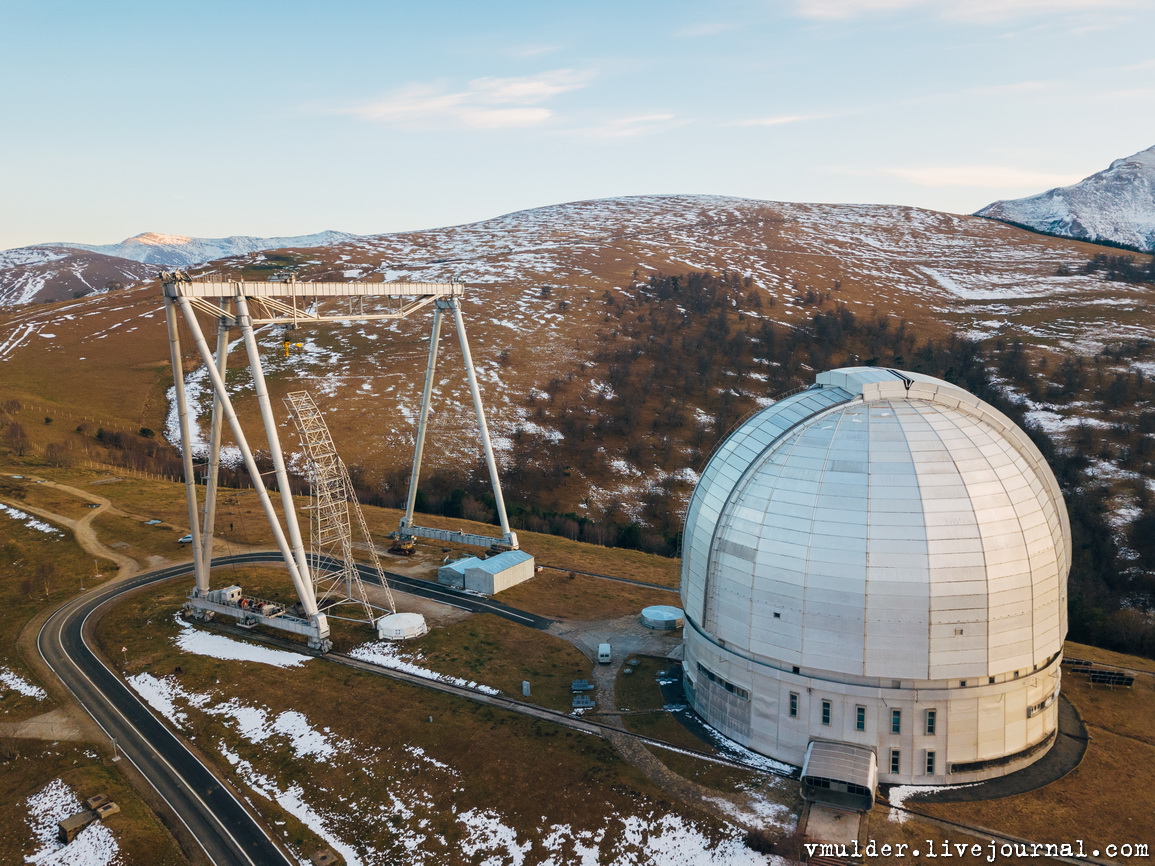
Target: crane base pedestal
250	612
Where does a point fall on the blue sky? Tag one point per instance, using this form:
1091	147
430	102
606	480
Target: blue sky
265	118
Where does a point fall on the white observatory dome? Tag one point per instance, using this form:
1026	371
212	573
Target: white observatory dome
881	542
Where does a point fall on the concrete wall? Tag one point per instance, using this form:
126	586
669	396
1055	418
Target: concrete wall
976	722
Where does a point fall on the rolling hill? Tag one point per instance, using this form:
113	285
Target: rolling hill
179	251
610	370
1113	206
538	282
45	274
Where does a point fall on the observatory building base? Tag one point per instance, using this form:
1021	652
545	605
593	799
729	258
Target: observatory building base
250	612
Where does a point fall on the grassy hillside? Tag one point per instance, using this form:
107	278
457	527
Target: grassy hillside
617	341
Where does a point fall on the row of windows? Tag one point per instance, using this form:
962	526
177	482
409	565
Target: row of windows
896	762
1035	709
930	717
740	692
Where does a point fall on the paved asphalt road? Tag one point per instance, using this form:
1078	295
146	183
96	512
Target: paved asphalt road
224	829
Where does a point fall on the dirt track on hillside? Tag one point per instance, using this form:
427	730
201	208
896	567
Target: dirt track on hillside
67	722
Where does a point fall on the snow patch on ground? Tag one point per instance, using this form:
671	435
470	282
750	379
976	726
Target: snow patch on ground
488	836
94	846
292	800
29	521
759	811
162	694
648	839
751	759
257	725
204	643
17	683
898	795
389	655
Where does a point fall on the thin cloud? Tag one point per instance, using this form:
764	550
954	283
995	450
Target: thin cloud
781	120
973	11
533	50
835	9
1128	94
1019	88
485	103
630	127
703	28
986	176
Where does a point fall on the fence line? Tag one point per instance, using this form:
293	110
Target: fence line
242	484
56	411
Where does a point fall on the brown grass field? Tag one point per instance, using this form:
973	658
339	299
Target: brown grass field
140	836
1114	784
534	773
39	571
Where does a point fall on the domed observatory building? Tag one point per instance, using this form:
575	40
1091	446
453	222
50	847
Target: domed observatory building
878	564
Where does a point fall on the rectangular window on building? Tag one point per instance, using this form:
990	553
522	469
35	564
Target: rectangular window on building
826	712
930	763
860	718
794	705
895	760
896	721
931	721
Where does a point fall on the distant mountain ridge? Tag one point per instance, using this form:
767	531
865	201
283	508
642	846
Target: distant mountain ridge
179	251
1116	206
50	273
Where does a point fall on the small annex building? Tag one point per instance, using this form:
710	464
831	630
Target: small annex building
878	561
842	775
488	576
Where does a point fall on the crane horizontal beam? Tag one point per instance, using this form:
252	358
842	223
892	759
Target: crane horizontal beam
175	287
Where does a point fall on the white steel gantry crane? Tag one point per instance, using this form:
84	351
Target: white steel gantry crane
245	306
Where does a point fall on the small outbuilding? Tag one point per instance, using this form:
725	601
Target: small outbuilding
401	626
842	775
488	576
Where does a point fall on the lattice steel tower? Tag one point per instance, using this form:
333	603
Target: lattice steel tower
336	579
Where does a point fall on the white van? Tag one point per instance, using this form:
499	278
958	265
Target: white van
604	653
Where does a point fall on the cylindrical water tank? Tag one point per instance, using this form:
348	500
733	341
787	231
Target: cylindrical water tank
664	617
401	626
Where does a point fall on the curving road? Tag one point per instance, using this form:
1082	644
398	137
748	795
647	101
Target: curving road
225	830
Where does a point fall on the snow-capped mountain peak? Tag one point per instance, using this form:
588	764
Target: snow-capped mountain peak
156	248
156	239
1116	205
1144	159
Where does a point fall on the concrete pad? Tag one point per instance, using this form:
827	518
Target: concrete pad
626	635
53	725
824	824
